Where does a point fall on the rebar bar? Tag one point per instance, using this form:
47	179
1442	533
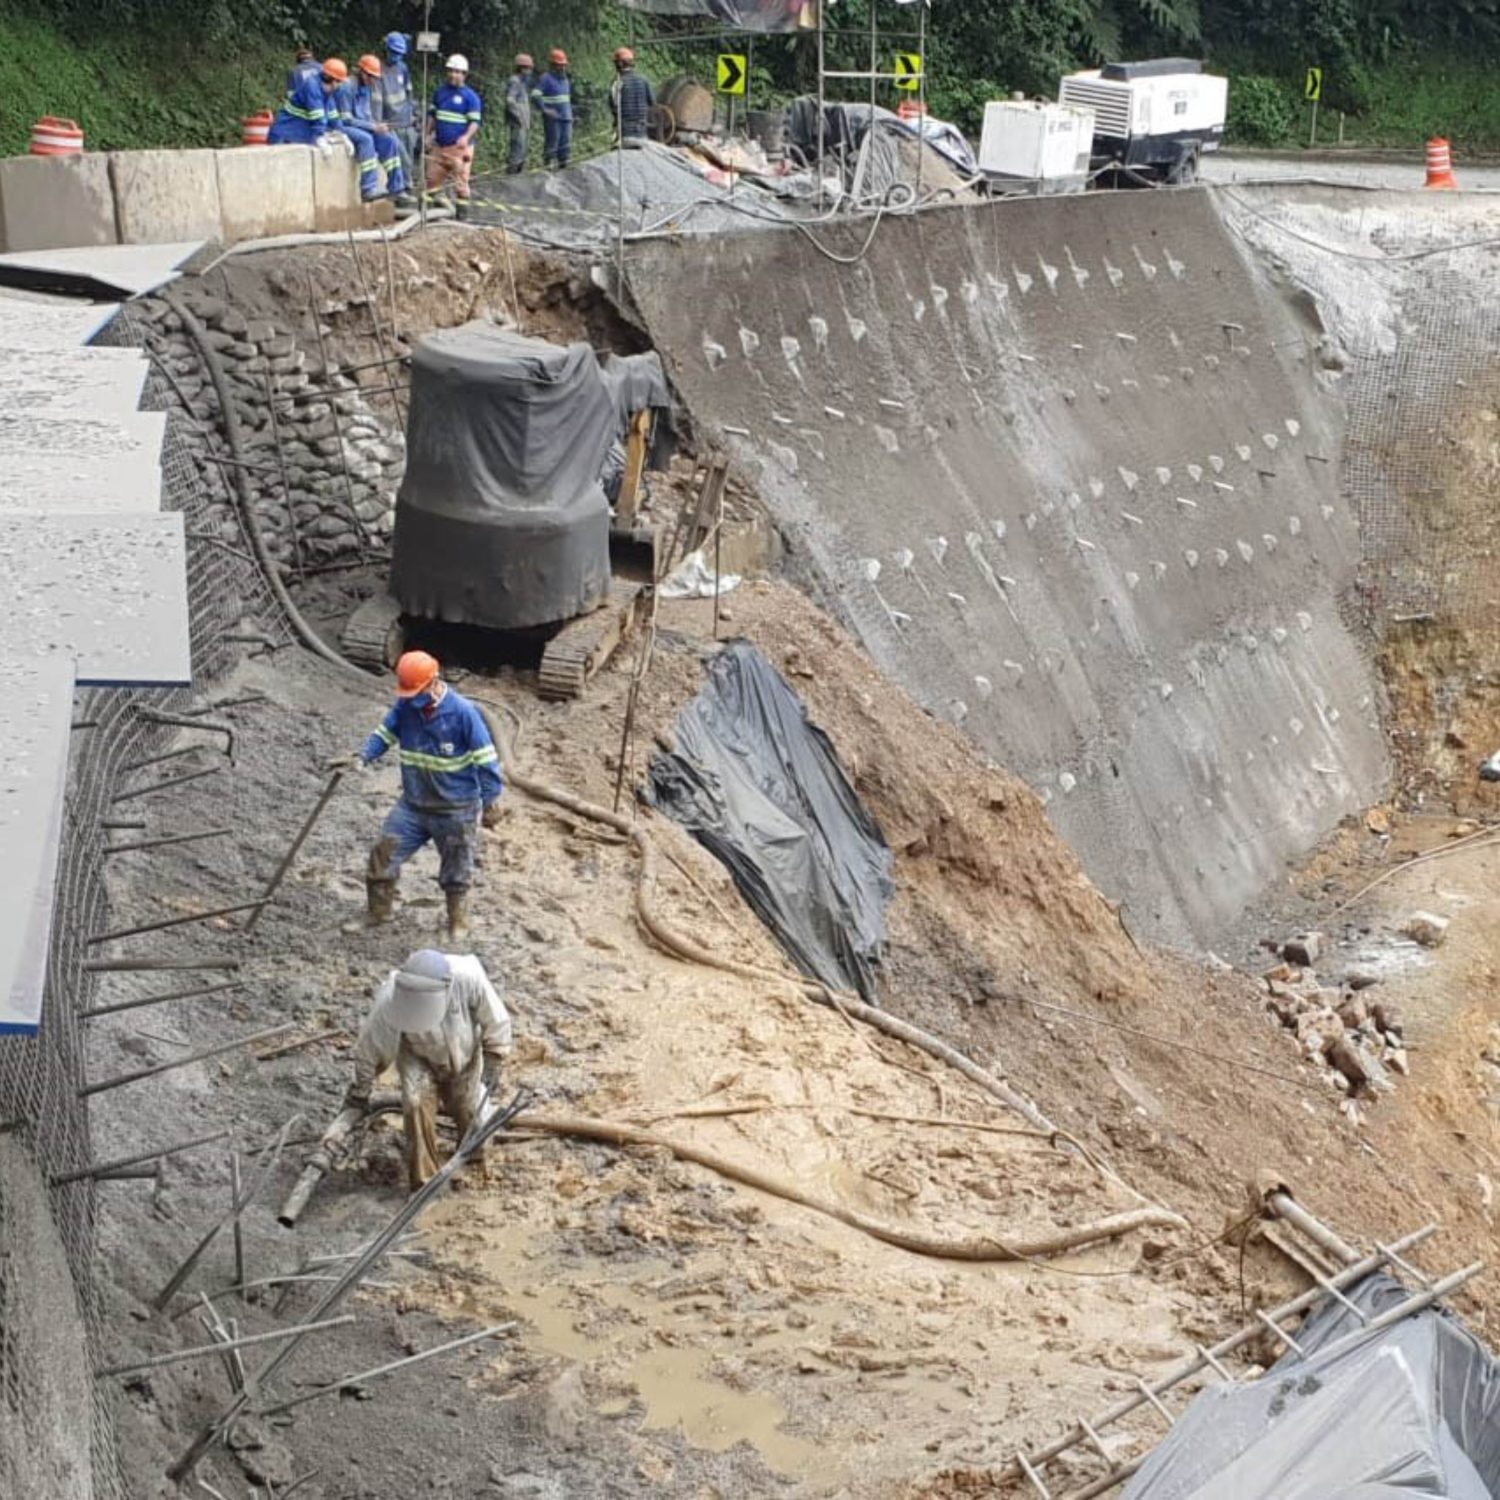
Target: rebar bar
350	1381
155	965
237	1228
166	840
181	921
156	760
198	1351
134	1161
161	786
329	788
192	721
120	1079
374	307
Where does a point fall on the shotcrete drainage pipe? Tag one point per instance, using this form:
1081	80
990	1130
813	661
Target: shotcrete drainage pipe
241	490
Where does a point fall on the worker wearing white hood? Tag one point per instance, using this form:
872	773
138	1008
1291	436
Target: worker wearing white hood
443	1024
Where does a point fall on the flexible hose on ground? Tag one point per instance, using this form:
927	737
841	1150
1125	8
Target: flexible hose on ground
1055	1242
241	491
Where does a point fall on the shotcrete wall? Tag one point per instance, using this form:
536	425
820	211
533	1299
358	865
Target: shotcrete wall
1067	468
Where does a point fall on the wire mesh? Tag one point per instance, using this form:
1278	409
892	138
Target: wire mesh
40	1075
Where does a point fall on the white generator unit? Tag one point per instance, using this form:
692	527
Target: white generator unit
1029	146
1151	119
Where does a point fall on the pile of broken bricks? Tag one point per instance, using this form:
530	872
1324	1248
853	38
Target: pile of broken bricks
1357	1042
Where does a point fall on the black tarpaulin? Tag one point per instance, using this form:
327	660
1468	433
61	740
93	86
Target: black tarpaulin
761	788
743	15
1413	1409
501	520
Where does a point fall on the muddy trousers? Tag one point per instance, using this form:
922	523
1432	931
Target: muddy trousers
407	829
424	1094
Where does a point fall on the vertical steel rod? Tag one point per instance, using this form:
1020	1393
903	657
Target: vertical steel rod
274	885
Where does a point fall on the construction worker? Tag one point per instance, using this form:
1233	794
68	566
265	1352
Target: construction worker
397	103
367	117
376	151
452	123
450	781
309	113
631	98
440	1021
553	96
518	112
306	66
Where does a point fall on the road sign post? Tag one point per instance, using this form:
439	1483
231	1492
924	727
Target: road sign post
733	72
908	71
1312	91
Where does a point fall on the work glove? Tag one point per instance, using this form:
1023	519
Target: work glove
349	763
492	814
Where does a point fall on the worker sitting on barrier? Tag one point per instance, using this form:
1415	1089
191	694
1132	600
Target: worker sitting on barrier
309	113
375	147
440	1020
450	778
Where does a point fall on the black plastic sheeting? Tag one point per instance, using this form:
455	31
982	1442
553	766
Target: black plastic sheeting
1411	1410
743	15
501	520
761	788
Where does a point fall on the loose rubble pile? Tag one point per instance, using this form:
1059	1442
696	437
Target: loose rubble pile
1356	1040
319	452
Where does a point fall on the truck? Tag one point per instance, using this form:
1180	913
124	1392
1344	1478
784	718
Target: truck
1153	120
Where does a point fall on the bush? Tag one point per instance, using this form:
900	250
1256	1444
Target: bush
1261	111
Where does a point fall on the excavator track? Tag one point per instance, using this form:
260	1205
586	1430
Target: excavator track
583	645
373	634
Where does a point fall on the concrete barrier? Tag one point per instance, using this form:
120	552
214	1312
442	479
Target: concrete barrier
51	202
336	202
163	196
265	190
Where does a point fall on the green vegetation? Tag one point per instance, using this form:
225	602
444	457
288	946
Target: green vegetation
183	72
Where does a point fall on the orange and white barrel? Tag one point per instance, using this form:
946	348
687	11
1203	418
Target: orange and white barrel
910	109
51	136
1440	164
257	128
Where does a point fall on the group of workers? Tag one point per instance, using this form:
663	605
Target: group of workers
551	96
376	112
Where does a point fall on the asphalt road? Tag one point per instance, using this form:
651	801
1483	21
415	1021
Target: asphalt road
1363	171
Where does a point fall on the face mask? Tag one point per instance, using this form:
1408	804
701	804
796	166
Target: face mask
421	700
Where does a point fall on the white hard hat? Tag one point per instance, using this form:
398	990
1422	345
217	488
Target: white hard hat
458	63
419	992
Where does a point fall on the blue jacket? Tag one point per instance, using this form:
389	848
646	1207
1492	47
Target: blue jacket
397	107
554	96
305	117
448	759
310	67
453	111
364	102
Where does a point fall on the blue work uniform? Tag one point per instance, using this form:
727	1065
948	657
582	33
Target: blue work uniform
453	111
304	119
397	107
553	96
450	771
376	154
367	114
308	67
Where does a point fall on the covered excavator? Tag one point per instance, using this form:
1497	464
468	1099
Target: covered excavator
515	448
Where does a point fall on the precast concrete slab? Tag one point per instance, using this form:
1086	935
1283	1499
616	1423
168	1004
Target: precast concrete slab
54	464
336	203
166	196
265	190
52	201
107	592
102	382
103	271
36	710
1065	467
28	321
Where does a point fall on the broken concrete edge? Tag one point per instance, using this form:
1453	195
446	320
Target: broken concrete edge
151	197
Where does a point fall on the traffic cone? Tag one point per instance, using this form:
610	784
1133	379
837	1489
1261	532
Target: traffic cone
1440	164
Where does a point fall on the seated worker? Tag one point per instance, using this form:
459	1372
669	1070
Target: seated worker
309	113
375	145
440	1021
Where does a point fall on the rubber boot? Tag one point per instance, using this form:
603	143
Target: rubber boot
458	914
381	898
461	209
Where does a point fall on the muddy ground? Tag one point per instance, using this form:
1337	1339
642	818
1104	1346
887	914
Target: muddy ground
677	1333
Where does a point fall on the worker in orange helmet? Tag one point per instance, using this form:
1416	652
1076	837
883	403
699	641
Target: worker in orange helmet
450	782
553	96
631	98
518	113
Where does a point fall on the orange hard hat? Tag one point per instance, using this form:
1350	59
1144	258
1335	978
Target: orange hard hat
557	55
335	67
523	60
415	673
370	64
624	54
